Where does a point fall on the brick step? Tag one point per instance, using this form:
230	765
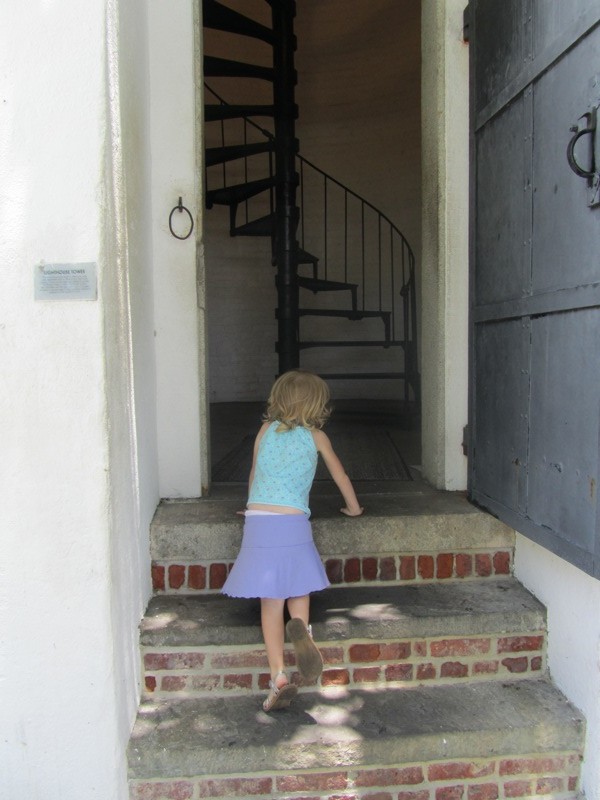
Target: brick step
478	742
409	536
369	636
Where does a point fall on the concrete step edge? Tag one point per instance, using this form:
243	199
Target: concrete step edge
352	730
382	612
417	520
379	636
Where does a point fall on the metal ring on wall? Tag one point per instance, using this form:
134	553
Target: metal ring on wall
181	208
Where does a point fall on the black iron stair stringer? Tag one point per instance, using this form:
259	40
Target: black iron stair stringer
219	17
286	210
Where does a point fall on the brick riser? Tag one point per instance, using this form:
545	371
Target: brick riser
553	774
214	671
403	569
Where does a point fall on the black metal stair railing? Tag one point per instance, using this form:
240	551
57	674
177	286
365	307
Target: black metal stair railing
348	249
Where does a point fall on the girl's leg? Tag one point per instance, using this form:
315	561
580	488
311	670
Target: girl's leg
271	614
299	607
308	657
281	691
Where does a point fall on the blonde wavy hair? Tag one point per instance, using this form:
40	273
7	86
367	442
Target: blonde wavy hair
298	398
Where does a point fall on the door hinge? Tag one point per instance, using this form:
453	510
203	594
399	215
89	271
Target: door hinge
466	24
465	440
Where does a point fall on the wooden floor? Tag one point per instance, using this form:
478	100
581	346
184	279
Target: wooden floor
232	423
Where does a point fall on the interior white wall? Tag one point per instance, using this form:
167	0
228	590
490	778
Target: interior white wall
445	270
572	599
75	403
174	175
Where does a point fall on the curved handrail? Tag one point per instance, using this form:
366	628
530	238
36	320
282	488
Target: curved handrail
360	198
395	291
329	177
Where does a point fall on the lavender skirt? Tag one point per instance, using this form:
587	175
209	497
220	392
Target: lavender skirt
278	559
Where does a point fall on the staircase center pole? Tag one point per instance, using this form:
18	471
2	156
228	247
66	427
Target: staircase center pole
286	210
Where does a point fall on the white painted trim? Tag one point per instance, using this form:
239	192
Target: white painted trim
203	370
444	258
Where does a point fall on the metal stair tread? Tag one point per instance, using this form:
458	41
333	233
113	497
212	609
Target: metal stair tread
352	343
226	67
337	312
229	195
323	285
232	736
219	155
219	17
214	112
304	257
263	226
469	608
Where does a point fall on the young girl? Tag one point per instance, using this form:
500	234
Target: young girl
278	560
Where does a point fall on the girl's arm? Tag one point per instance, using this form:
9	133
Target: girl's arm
338	473
259	436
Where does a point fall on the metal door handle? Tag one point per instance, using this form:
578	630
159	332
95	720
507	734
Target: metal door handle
590	117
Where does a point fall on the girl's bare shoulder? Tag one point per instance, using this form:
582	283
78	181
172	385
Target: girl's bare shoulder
321	439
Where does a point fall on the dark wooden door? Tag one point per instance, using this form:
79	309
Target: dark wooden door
535	270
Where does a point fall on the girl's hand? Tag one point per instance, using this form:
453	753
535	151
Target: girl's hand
352	513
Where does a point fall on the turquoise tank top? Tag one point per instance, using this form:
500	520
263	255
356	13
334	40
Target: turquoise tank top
285	468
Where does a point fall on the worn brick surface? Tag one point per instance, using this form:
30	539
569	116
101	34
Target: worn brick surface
176	576
502	563
444	565
234	787
218	575
425	567
172	790
335	570
312	782
369	569
408	570
463	565
352	570
387	569
196	577
517	644
483	564
518	789
486	791
459	769
399	672
459	647
390	777
158	578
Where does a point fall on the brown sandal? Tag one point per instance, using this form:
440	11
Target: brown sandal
279	696
308	658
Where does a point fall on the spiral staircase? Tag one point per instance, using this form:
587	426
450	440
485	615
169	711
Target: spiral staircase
336	256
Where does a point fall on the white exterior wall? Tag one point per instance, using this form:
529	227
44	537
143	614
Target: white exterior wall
174	175
445	259
573	602
77	421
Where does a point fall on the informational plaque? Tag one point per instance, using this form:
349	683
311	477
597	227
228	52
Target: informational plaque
66	281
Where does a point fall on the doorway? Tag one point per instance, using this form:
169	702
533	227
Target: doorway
358	95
